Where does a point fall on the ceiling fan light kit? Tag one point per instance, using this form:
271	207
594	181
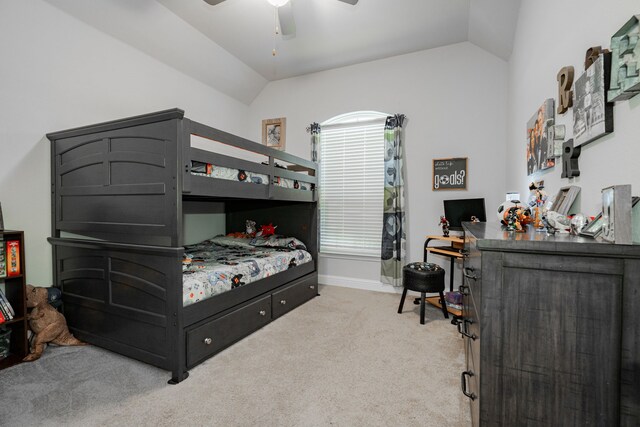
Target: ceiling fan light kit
278	3
285	15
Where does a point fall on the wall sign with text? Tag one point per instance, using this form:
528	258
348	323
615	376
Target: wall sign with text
450	174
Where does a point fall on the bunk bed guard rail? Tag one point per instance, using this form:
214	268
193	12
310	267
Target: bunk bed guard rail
124	180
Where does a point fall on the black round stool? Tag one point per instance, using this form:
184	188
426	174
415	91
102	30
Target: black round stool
423	277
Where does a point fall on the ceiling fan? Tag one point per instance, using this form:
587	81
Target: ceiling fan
285	13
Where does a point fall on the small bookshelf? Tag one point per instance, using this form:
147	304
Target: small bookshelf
12	299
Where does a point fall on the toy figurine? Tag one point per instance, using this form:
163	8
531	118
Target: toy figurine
47	324
537	199
444	223
474	219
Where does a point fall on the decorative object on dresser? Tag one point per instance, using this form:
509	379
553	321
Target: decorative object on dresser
616	214
592	114
564	199
538	143
13	320
274	133
565	94
625	57
570	154
551	329
47	324
449	174
129	283
593	228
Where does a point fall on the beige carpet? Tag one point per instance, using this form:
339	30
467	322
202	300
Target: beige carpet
345	358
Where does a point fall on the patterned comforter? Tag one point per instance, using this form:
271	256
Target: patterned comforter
213	171
221	264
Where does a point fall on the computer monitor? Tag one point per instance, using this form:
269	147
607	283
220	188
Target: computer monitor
459	210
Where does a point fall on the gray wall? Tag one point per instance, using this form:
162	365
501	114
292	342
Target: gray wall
56	73
455	98
550	35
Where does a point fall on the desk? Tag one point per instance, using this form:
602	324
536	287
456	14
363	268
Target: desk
453	251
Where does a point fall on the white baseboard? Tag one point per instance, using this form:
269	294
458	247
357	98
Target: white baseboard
351	282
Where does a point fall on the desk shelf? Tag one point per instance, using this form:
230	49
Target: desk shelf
454	251
446	251
435	301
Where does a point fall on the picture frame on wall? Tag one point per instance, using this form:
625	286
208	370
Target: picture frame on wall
449	174
539	148
274	133
1	220
616	214
592	114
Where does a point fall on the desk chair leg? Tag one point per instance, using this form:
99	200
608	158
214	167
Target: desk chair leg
404	294
452	265
443	303
422	308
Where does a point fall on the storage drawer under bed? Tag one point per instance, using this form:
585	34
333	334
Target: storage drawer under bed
292	296
211	337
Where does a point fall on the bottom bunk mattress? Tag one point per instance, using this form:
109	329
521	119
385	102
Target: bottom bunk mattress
223	263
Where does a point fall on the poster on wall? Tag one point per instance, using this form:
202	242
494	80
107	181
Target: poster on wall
538	145
449	174
592	115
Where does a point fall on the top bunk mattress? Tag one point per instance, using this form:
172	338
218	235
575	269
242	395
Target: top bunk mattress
224	263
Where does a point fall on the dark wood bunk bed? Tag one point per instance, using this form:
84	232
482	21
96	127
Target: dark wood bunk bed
122	186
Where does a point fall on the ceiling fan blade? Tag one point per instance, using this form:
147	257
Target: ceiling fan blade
351	2
285	17
214	2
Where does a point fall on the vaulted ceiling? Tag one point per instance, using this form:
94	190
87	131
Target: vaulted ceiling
229	46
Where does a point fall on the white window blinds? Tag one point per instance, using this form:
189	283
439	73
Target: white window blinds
351	188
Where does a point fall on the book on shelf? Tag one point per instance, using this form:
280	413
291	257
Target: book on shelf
6	307
454	306
453	297
2	318
3	270
13	258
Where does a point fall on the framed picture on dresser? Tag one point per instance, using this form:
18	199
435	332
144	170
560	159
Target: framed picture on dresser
564	199
616	214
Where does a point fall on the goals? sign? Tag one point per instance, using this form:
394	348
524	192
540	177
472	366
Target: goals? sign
450	174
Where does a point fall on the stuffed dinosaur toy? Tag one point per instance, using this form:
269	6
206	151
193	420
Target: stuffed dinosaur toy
47	324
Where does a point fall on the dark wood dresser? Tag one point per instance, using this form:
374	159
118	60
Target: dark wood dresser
552	329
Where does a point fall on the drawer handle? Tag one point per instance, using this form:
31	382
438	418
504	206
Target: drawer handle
463	289
465	333
283	301
467	273
312	286
263	313
207	341
463	380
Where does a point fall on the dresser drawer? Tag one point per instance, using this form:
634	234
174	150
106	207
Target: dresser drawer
292	296
217	334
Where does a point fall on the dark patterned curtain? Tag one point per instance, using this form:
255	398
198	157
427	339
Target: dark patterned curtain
393	229
314	129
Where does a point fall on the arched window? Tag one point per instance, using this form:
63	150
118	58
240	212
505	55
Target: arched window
352	183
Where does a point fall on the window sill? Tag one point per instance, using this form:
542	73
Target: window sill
334	255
